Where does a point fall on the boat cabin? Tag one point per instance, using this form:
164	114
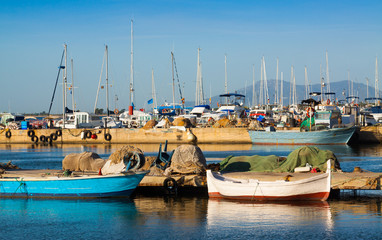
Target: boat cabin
328	115
232	104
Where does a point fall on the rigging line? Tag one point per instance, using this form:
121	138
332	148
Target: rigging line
22	184
99	83
177	77
55	86
253	196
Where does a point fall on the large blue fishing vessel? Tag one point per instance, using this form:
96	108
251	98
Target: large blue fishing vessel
334	136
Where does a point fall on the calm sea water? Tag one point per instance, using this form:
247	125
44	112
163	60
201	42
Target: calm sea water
189	217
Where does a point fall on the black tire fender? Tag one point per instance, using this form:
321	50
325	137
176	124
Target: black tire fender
107	137
59	132
8	134
88	134
34	139
53	136
31	133
170	185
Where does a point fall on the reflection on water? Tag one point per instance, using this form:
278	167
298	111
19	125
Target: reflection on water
47	219
188	218
267	219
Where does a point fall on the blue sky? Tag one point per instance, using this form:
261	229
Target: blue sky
32	34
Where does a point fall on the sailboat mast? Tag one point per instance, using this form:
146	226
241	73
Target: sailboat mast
306	84
72	88
202	100
153	90
107	82
266	94
132	69
290	85
173	80
294	89
367	87
197	91
376	78
253	85
322	82
261	97
225	74
327	72
99	83
277	82
64	89
282	90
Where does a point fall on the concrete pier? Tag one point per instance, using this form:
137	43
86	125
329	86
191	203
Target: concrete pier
128	135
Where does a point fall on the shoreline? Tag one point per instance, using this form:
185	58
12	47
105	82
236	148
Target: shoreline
236	136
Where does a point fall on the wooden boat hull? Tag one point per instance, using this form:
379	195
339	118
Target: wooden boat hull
121	185
323	137
322	196
316	188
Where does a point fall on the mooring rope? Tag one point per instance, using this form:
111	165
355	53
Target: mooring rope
22	184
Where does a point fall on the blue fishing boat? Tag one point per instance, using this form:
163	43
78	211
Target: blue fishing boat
335	136
34	183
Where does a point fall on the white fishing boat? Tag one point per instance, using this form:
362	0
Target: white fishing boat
315	188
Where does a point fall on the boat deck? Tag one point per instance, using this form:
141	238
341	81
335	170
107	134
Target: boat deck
40	173
340	180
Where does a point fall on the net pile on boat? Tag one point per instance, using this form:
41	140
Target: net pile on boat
150	124
187	159
125	158
224	123
182	122
8	165
298	158
85	161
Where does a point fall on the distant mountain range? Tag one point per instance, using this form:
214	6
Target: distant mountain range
341	90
